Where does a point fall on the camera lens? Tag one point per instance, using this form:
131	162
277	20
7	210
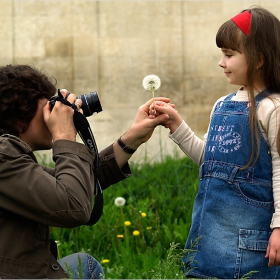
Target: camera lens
91	103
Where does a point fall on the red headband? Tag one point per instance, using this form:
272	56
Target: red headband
243	20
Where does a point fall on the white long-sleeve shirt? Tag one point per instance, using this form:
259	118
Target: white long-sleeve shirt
268	114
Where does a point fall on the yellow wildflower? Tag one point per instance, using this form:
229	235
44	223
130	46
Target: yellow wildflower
136	232
120	236
105	261
127	223
143	214
149	228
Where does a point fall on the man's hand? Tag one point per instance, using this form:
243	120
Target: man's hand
140	131
60	119
143	126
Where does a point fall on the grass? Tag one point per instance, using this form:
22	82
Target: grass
145	237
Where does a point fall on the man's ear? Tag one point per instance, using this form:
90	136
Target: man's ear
21	127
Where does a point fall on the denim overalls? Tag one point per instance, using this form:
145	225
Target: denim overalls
233	207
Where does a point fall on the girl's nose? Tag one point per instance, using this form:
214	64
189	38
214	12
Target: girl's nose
221	63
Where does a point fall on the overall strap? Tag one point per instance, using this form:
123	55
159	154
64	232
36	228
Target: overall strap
259	97
262	95
230	96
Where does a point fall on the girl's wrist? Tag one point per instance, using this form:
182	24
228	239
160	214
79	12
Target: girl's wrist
174	125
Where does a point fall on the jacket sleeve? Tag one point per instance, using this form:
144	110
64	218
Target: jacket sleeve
59	197
109	171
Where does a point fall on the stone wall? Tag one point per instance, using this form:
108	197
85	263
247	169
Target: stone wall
110	46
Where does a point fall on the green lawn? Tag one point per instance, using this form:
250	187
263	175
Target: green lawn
145	237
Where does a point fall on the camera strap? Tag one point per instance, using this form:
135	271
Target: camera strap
83	128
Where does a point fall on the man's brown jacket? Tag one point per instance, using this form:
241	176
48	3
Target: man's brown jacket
34	197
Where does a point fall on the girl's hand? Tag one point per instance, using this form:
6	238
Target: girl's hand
153	112
273	248
174	120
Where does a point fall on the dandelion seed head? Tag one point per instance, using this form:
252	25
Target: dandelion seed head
151	82
119	201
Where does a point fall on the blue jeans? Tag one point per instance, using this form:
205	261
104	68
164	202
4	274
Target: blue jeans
82	266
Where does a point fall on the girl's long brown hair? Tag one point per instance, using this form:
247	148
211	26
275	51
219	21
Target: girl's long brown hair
263	43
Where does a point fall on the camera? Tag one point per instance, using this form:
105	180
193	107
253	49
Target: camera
91	103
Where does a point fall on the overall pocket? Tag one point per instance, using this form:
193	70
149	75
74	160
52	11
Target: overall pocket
250	257
255	195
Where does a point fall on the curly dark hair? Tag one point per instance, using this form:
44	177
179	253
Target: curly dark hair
21	87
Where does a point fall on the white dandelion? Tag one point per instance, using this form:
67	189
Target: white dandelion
152	83
119	201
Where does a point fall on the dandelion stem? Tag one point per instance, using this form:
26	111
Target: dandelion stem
153	93
123	221
125	230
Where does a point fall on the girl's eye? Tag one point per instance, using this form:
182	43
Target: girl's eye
228	55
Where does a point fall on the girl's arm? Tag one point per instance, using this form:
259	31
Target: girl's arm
269	120
181	133
189	143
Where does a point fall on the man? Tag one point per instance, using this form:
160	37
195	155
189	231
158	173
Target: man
35	197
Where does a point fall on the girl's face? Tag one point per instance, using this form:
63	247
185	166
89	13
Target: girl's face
235	67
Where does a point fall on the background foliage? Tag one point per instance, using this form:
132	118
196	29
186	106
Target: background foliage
159	199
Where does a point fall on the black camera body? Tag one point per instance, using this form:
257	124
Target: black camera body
91	103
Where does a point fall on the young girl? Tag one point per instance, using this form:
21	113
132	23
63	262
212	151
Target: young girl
236	217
